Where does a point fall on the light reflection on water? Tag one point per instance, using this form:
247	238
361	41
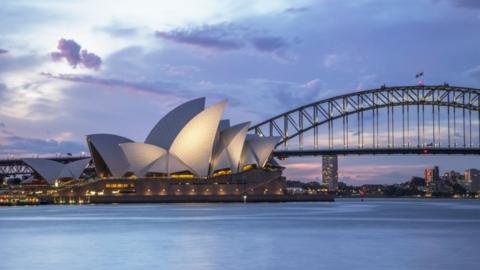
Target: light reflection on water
347	234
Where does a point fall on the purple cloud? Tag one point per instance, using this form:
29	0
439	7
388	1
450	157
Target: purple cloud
151	87
70	50
462	3
90	60
219	37
296	9
227	37
2	51
467	3
13	144
474	73
269	44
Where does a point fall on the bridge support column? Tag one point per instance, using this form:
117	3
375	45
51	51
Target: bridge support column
330	172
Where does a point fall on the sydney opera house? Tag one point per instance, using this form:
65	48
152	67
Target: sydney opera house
191	154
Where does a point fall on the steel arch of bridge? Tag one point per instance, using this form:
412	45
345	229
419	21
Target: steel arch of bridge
395	102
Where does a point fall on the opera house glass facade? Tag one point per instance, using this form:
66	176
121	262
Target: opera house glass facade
190	153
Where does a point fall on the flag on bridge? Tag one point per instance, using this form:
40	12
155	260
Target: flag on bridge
419	77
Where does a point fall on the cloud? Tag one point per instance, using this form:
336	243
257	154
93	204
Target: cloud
474	73
118	31
90	60
180	70
334	60
10	143
26	146
466	3
2	51
70	51
150	87
355	174
296	9
11	63
228	37
312	84
3	87
290	94
219	37
269	44
379	173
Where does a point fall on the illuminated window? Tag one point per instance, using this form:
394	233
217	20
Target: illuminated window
119	185
222	172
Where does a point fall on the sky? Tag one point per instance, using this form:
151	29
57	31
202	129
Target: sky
72	68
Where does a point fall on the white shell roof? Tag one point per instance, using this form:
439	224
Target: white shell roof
51	170
168	128
141	155
194	143
189	138
230	147
74	169
258	149
108	147
168	164
48	169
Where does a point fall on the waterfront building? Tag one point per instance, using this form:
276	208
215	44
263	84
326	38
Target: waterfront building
191	151
330	172
432	175
453	177
472	180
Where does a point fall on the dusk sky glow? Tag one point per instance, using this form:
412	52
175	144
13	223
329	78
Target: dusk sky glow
72	68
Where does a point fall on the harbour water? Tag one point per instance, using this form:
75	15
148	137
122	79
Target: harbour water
346	234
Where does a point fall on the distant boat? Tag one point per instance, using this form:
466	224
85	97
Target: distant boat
362	195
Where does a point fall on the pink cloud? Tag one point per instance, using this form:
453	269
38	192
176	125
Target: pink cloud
354	173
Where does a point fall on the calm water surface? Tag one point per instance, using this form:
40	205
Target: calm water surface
346	234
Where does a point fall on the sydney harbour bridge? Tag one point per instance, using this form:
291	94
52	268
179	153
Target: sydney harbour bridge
440	119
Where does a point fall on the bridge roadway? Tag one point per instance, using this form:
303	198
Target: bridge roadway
376	151
19	161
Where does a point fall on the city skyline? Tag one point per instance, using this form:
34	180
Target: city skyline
264	57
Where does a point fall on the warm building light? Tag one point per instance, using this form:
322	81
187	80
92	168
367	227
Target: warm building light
222	172
248	167
182	176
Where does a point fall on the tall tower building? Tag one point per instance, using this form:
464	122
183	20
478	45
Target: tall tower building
330	171
432	174
472	179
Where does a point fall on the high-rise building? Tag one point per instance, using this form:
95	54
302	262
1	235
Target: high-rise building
472	179
330	171
432	174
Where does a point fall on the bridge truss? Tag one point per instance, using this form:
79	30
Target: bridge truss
407	120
